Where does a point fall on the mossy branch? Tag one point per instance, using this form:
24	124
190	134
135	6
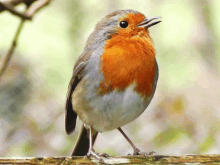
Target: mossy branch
157	159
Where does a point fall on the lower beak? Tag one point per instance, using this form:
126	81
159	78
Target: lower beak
147	22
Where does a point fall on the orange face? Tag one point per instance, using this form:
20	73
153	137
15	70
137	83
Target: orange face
133	20
129	58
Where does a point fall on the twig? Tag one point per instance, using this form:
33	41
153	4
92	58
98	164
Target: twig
12	3
11	9
32	9
37	5
5	60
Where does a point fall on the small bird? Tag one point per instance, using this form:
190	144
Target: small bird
114	79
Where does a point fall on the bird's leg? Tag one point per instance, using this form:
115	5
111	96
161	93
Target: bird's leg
91	151
136	150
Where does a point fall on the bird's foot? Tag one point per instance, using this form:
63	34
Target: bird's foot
145	153
138	152
96	155
103	155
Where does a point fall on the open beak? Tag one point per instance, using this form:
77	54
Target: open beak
147	22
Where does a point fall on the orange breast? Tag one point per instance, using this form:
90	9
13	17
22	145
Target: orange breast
128	60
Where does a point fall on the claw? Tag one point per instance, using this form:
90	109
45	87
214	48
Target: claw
137	152
103	154
96	155
152	153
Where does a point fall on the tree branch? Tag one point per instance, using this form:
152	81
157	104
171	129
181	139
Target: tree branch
10	8
5	60
157	159
33	7
12	3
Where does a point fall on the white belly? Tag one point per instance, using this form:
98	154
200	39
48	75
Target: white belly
109	111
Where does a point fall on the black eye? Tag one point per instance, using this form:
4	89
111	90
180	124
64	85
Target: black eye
123	24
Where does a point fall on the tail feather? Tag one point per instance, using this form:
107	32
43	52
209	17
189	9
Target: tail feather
82	145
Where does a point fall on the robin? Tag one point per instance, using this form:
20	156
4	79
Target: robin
113	80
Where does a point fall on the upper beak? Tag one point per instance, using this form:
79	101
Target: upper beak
147	22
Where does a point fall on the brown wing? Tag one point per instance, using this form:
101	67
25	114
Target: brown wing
71	116
70	119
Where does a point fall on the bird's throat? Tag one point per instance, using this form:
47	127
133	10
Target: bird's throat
128	61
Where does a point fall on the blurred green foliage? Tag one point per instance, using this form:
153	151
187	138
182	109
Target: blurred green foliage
183	117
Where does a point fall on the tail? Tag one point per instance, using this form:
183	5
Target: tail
81	147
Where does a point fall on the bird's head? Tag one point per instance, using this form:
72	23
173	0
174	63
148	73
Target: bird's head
125	23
